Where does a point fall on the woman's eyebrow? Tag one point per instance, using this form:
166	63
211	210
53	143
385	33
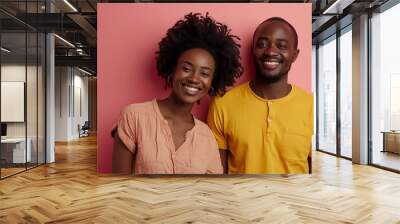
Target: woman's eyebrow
205	67
191	64
188	62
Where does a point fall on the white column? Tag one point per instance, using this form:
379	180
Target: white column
50	92
50	99
360	90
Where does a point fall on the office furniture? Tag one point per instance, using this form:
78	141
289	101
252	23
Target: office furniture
84	130
13	150
391	141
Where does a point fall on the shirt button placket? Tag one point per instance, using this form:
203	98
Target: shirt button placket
269	117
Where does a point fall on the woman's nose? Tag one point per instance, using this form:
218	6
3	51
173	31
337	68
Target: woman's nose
194	77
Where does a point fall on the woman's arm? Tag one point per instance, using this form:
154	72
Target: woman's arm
122	157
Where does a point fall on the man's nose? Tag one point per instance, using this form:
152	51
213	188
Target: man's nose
271	50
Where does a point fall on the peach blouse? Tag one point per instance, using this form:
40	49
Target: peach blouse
145	132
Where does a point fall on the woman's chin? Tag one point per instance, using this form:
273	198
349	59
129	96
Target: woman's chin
188	99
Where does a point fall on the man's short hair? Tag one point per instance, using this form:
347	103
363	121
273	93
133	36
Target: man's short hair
279	19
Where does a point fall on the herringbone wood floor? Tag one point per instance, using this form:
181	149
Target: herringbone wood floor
70	191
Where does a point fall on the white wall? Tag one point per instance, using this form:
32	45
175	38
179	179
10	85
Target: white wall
12	101
71	93
16	73
80	102
62	78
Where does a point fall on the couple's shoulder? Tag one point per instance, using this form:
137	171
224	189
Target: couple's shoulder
234	93
203	129
300	92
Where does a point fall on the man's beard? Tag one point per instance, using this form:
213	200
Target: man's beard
267	78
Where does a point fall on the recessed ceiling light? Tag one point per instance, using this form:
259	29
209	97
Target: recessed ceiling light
337	7
70	5
5	50
84	71
64	40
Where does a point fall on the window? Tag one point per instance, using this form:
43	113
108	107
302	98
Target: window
385	89
327	96
346	92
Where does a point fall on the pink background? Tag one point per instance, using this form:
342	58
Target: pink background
128	36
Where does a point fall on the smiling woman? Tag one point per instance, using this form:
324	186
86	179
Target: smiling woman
198	56
193	75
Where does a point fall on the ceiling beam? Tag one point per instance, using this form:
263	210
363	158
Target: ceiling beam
84	24
85	61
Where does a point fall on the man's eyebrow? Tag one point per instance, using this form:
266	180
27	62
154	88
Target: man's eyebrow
283	40
262	38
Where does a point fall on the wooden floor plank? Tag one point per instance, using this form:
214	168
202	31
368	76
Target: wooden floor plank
70	191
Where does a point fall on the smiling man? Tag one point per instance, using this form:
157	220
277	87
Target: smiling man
265	125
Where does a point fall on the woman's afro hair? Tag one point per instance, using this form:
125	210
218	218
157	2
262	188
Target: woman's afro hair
198	31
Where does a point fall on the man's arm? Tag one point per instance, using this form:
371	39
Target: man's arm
122	157
216	124
224	159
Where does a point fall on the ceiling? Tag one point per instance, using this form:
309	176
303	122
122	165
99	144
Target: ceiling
76	22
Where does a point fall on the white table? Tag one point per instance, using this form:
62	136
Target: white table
18	149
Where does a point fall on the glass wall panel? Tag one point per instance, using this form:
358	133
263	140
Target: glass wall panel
385	89
32	83
41	79
31	100
327	96
346	93
14	153
22	88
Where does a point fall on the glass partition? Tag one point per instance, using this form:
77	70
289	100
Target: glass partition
327	96
14	154
22	88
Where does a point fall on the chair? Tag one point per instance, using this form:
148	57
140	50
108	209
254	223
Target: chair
84	130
